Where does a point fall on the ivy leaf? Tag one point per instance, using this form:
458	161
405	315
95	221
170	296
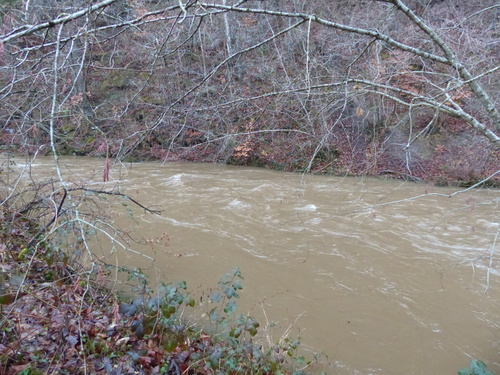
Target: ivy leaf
128	309
214	315
252	331
237	285
168	310
476	368
215	297
479	368
236	332
230	307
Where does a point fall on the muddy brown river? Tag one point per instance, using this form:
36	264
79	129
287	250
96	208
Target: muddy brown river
380	277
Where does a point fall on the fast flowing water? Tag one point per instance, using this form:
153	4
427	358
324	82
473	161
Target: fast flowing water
382	277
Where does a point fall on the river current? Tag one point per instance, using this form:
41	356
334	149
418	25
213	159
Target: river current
378	276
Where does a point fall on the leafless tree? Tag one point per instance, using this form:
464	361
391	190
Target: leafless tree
374	77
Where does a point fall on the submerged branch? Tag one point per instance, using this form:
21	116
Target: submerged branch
115	193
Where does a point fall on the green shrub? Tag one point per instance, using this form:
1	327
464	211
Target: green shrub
475	368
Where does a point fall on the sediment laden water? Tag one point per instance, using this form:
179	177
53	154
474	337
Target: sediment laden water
408	287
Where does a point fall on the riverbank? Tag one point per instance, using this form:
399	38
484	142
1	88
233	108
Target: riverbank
59	314
453	156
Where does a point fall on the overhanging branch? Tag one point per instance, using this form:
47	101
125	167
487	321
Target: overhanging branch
30	29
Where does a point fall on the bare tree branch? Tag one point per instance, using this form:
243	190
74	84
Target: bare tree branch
356	30
30	29
454	62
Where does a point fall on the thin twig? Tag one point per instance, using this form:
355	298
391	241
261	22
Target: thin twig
492	251
59	211
115	193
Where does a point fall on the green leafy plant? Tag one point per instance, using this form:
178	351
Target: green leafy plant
475	368
229	285
235	350
228	347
